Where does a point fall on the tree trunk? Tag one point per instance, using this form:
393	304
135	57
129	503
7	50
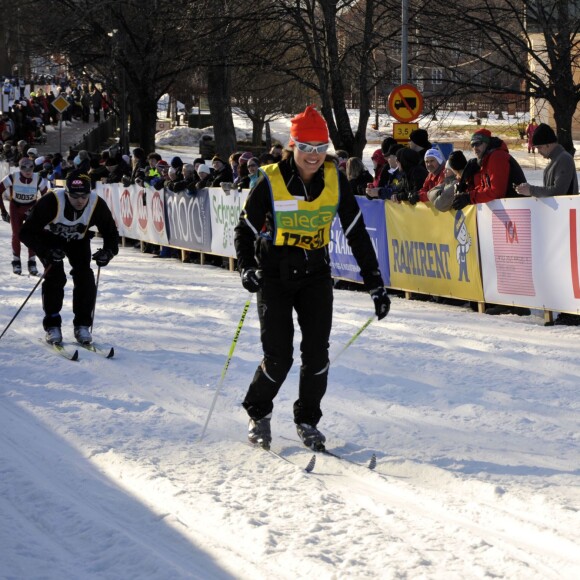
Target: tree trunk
343	137
218	95
563	114
144	120
257	129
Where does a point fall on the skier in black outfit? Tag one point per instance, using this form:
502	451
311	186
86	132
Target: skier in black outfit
58	227
283	256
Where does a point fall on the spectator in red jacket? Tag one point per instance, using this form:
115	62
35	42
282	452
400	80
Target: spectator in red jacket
492	181
435	164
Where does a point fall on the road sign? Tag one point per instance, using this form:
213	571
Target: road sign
60	104
402	131
405	103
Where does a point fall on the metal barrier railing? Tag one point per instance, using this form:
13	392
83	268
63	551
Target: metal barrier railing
93	139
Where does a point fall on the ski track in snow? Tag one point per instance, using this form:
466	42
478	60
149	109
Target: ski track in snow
474	421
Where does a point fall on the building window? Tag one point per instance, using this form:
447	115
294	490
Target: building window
437	76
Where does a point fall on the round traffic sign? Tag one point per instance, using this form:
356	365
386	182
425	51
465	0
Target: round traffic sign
405	103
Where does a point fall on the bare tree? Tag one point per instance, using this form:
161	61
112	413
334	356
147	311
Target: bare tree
137	49
324	45
509	49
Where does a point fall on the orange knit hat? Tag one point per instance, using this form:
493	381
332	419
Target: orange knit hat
308	126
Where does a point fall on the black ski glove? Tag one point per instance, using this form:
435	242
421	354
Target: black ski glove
102	257
252	279
54	255
413	197
382	302
6	217
461	200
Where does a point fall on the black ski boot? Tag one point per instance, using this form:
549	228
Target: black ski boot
311	436
17	267
259	432
32	269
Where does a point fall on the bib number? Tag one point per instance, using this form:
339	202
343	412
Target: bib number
304	241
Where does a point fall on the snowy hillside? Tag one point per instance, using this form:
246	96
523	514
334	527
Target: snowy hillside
474	420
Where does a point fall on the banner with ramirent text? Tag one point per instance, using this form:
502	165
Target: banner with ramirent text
434	252
530	252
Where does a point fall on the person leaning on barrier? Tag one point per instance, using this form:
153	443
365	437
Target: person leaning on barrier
390	177
498	171
435	164
205	176
559	178
413	174
419	142
357	175
441	196
494	180
222	172
187	182
158	181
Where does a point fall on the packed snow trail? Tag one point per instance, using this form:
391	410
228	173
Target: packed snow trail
474	421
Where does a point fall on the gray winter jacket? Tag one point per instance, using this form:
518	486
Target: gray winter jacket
559	175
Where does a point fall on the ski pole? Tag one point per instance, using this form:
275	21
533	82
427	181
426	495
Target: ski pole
95	302
354	337
227	364
40	279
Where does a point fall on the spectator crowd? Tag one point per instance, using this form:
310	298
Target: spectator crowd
412	174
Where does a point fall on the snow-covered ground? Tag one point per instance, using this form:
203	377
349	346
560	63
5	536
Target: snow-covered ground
475	422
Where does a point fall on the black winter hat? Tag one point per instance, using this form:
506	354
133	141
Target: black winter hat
408	158
457	160
544	135
176	163
420	137
393	149
387	143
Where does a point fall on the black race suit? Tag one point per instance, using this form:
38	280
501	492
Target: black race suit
300	280
78	252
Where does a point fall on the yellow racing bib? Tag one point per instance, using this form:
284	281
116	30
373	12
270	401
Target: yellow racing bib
301	223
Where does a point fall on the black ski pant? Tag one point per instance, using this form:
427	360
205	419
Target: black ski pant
78	253
311	298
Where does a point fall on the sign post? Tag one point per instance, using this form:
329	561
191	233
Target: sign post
61	105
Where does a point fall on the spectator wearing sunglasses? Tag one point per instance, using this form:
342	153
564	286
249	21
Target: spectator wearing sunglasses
281	243
58	228
253	173
24	187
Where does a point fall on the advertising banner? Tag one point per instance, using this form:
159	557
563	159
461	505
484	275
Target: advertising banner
434	252
530	252
342	261
225	212
139	213
188	220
